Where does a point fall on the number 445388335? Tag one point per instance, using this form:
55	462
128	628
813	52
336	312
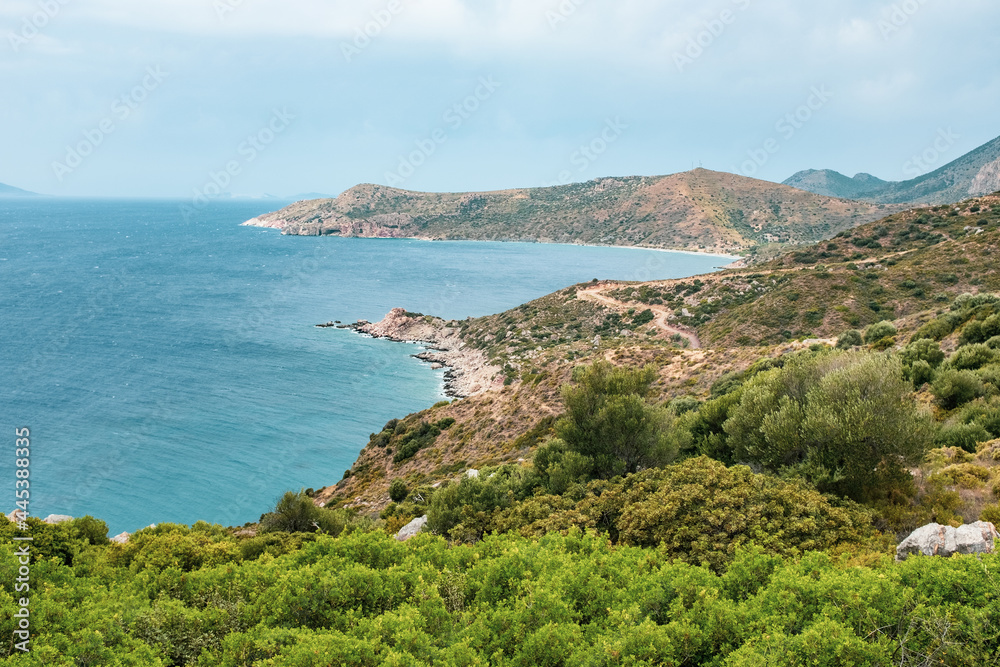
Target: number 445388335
23	461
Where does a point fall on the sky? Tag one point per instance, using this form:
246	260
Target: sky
188	98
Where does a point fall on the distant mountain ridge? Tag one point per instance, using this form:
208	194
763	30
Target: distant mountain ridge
695	210
11	191
974	174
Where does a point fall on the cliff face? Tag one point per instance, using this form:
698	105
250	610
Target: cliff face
987	181
698	210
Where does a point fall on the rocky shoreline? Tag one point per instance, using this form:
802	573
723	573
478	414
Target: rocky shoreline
467	371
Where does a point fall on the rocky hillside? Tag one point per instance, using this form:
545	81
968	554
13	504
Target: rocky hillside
697	210
976	173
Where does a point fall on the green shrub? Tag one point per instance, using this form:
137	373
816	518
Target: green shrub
609	421
848	339
398	491
297	513
701	512
921	373
846	421
465	511
922	350
559	466
879	331
953	388
972	357
644	317
973	332
421	436
935	329
964	436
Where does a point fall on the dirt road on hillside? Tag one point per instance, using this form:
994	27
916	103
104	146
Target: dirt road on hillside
661	315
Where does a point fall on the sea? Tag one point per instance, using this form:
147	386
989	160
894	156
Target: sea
167	365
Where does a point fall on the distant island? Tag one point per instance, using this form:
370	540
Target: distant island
10	191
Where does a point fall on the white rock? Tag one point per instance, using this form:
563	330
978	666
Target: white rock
976	538
57	518
472	473
121	538
411	529
937	540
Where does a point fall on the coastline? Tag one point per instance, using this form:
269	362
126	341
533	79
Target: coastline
257	222
467	371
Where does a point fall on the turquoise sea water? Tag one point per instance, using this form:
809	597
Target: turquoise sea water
170	370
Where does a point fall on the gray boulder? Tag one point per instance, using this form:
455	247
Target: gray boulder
120	538
411	529
57	518
937	540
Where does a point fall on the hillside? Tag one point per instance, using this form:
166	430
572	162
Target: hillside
905	267
697	210
976	173
891	269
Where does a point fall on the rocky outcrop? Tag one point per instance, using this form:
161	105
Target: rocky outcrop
411	529
468	371
937	540
120	538
57	518
987	181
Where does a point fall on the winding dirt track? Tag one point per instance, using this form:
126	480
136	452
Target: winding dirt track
661	315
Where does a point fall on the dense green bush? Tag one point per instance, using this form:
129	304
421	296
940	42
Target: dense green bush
609	421
297	513
559	467
847	422
925	350
921	373
398	491
963	436
366	600
849	339
878	331
953	388
972	357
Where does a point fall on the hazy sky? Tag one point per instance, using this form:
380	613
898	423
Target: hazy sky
169	97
